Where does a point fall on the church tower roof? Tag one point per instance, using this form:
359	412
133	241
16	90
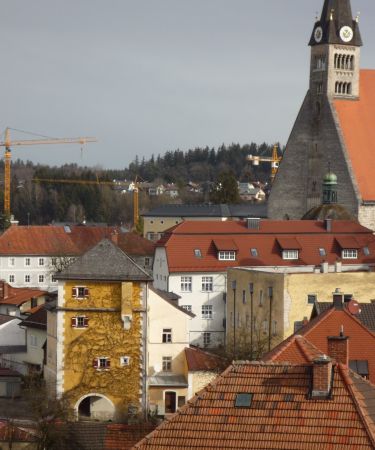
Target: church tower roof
336	25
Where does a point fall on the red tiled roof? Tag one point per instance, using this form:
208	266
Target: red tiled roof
289	243
133	244
124	437
199	360
356	120
281	414
310	235
19	296
225	244
9	432
361	339
348	242
37	319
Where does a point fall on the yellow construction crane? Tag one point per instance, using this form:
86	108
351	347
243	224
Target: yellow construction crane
8	144
274	160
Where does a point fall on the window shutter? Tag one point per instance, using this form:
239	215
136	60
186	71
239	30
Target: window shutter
74	292
86	322
73	322
86	292
95	363
108	363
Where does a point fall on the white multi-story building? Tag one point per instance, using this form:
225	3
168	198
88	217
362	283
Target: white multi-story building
30	255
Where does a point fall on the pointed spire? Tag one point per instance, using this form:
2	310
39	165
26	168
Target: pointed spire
336	14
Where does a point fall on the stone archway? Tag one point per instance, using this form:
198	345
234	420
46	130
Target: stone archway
94	407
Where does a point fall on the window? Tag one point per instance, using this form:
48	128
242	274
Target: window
102	363
147	261
244	297
227	255
187	307
41	261
12	278
11	262
207	284
80	322
34	302
243	400
207	312
360	367
322	251
54	261
366	251
206	339
167	335
265	326
348	253
33	340
27	278
197	253
53	279
311	299
124	361
186	284
290	254
274	327
167	363
80	292
27	262
261	297
41	278
254	252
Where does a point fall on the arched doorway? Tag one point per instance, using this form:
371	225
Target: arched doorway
95	407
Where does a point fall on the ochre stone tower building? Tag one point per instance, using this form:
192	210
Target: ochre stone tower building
335	126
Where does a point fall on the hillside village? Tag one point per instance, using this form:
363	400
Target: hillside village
231	325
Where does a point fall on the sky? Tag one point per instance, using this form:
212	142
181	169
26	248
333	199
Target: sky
148	76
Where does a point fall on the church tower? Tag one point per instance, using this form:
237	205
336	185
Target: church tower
334	126
335	53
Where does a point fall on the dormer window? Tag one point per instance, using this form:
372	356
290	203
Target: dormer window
227	255
349	253
290	254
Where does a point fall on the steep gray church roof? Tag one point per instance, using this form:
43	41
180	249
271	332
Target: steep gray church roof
104	262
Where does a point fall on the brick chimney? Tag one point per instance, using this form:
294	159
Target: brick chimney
338	347
338	299
322	377
114	237
4	289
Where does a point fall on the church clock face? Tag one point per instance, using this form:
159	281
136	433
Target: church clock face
346	34
318	35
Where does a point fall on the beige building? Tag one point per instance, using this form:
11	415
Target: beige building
278	300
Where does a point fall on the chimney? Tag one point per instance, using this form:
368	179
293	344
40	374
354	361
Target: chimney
324	267
322	377
328	223
338	299
338	347
114	237
338	266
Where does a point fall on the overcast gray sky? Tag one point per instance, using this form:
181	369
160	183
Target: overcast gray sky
147	76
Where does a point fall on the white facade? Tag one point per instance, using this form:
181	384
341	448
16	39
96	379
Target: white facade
28	271
202	293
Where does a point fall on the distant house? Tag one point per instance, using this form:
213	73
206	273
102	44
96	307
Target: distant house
19	301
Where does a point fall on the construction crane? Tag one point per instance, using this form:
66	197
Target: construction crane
275	160
8	144
97	182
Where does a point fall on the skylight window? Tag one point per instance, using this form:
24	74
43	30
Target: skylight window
243	400
198	253
254	252
322	251
366	251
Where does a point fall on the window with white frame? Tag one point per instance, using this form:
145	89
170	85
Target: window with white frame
102	363
197	253
207	284
290	254
12	278
80	322
27	262
206	338
27	278
41	261
167	363
186	284
80	292
167	335
207	312
11	262
227	255
187	307
41	278
349	253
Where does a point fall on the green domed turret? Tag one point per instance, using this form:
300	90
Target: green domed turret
330	179
330	189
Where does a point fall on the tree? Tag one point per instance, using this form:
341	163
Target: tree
225	190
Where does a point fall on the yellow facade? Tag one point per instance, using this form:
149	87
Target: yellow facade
290	293
105	337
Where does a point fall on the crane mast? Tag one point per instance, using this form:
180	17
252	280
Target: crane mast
274	160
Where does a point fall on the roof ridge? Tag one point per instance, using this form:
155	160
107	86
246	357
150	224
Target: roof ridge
300	341
354	394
